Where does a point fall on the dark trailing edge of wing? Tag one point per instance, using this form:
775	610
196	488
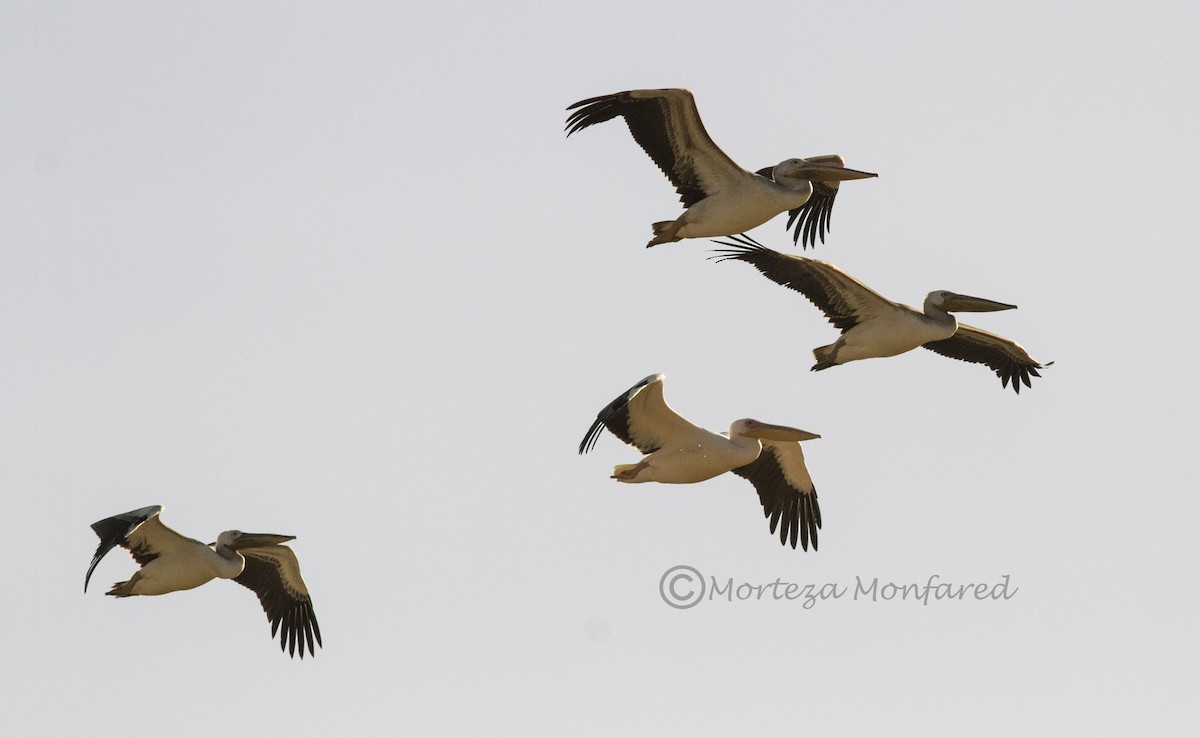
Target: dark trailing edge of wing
648	121
292	617
792	272
795	513
1008	368
615	417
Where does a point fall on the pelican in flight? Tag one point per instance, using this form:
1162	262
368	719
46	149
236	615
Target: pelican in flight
678	452
721	198
873	326
170	563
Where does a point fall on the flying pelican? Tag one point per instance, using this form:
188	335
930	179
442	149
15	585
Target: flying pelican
873	326
170	563
721	198
678	452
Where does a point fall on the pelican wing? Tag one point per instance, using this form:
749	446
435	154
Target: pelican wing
1010	360
141	532
273	572
844	300
812	218
786	492
639	417
668	127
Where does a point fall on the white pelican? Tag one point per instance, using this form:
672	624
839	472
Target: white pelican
721	198
678	452
170	563
873	326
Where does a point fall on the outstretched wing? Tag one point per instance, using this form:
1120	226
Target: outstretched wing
1010	361
786	492
273	573
667	125
845	301
141	532
640	417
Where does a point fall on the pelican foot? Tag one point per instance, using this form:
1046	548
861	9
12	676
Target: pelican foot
628	472
664	232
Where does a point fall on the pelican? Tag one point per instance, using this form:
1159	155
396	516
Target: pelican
678	452
170	563
721	198
873	326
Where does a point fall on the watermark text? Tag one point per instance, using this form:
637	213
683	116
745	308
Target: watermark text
684	587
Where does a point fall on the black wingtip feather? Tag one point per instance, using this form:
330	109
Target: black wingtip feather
593	434
615	417
794	514
112	532
812	220
591	111
291	616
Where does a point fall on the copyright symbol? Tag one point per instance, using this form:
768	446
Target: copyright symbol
681	587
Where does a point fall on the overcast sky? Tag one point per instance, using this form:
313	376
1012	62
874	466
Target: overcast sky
334	271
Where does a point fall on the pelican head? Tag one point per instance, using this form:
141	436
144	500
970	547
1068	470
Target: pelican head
817	169
952	302
782	433
235	539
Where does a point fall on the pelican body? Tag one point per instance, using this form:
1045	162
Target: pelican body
875	327
171	562
699	454
903	331
163	575
721	198
678	452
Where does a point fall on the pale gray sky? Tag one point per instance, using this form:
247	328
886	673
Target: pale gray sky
335	272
